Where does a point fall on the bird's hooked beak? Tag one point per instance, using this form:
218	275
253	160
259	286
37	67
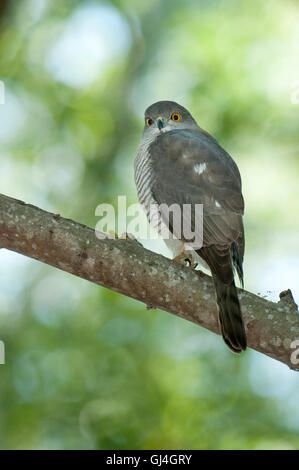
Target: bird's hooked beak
160	123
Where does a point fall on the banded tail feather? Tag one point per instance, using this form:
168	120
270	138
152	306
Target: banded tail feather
230	316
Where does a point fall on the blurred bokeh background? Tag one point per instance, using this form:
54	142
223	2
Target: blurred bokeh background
85	367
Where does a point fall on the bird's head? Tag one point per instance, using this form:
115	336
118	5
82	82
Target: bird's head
165	116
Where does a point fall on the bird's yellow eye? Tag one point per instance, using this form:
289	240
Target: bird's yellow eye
176	117
149	121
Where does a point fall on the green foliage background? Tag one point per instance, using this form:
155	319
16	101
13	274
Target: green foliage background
85	367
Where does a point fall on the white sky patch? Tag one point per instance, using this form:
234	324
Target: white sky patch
199	168
16	271
12	116
278	269
270	378
217	204
36	8
94	36
278	276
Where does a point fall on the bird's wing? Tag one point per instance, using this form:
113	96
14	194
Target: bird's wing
190	167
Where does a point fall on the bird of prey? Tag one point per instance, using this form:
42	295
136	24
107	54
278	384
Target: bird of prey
177	162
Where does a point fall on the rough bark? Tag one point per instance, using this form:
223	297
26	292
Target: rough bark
126	267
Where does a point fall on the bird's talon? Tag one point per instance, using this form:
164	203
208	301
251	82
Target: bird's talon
188	262
114	234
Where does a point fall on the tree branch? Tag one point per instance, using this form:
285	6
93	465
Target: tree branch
126	267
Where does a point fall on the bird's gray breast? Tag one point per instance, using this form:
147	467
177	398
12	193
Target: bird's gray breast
144	180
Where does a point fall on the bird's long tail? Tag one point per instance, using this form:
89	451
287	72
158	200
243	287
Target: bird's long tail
230	317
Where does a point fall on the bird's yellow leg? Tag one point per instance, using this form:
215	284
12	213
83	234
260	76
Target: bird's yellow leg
123	236
180	258
114	234
184	258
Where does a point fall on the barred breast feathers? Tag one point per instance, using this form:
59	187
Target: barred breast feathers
144	178
144	174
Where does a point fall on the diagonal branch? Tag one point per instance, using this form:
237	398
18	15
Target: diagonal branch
126	267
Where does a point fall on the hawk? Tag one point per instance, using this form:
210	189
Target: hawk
177	162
